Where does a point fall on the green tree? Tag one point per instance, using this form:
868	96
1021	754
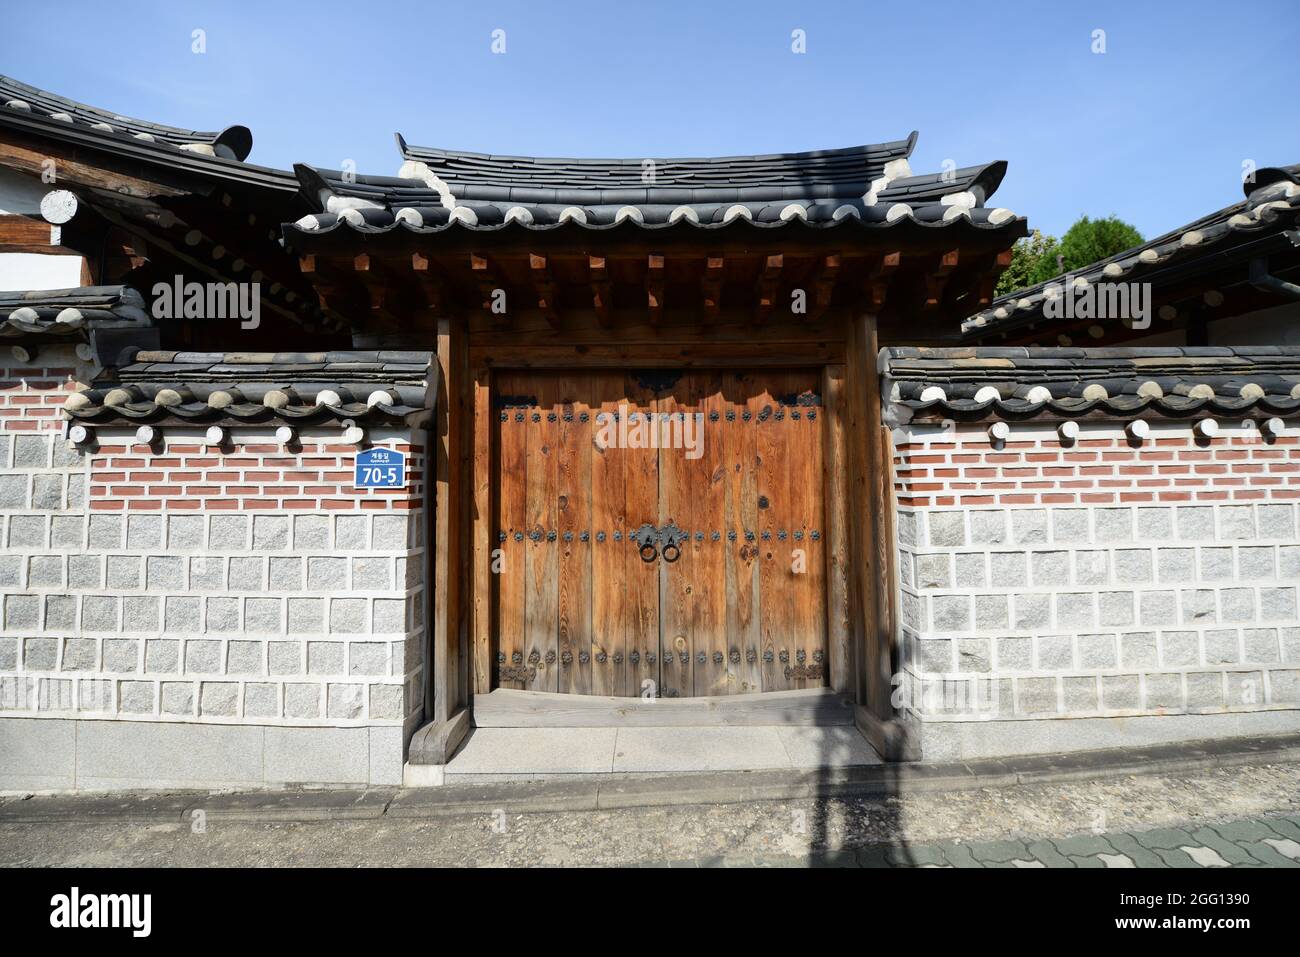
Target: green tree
1090	240
1033	259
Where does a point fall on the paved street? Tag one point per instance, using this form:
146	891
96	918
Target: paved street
1235	816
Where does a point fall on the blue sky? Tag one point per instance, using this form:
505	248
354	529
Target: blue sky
1155	129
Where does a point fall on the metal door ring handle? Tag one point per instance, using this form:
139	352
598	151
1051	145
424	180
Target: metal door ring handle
652	552
677	552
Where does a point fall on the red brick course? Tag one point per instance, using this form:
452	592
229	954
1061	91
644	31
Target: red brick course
970	470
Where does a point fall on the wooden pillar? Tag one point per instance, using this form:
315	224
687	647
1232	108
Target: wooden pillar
839	521
481	471
452	581
872	581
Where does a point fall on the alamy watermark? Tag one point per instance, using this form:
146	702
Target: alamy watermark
1129	302
179	299
649	430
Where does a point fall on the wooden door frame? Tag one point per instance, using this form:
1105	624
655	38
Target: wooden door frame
857	481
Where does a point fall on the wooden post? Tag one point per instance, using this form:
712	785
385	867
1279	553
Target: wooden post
839	518
481	482
437	741
872	580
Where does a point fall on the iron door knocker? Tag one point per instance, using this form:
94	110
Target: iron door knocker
646	538
671	537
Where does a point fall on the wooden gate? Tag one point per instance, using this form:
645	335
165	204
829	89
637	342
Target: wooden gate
659	527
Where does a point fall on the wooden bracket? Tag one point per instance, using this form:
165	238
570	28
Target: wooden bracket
879	278
544	287
936	278
767	283
824	285
714	269
486	280
602	299
655	287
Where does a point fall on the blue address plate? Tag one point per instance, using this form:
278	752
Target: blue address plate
380	468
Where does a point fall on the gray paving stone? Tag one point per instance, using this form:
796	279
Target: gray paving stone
1083	845
1268	855
998	852
1166	838
1239	832
1046	852
1287	827
1226	849
958	855
1174	857
1141	856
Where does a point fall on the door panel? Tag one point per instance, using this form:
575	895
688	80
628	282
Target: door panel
732	460
641	498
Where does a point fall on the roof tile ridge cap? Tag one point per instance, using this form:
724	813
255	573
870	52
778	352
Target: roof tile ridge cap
897	168
419	170
905	145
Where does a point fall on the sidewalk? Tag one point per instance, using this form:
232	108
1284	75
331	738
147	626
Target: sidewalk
1247	814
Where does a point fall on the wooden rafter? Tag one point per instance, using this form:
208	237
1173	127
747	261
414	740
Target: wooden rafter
711	287
828	271
340	292
601	292
430	283
878	279
69	171
544	288
655	287
936	278
487	281
765	298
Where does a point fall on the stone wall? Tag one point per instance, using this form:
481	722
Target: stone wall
181	615
1060	595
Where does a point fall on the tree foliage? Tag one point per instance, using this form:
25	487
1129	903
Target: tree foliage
1034	260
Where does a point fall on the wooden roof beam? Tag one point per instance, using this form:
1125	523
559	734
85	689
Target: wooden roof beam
431	283
828	271
711	286
488	282
340	292
936	278
879	278
655	287
544	288
768	280
602	299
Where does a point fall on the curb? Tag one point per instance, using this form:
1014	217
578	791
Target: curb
662	790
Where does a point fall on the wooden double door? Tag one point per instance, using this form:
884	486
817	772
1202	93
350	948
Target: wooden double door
659	533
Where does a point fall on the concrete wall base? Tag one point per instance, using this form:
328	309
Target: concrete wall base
423	775
963	740
66	754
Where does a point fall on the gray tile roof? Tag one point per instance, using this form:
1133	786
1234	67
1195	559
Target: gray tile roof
443	189
70	313
1021	382
372	387
1272	204
234	142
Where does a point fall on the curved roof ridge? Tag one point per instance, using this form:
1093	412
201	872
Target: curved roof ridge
896	148
234	142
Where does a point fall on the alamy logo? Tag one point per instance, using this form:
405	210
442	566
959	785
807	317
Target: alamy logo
209	300
1100	300
103	910
649	430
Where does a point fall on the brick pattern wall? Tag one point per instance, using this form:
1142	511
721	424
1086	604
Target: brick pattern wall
197	586
1100	578
253	476
1239	467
